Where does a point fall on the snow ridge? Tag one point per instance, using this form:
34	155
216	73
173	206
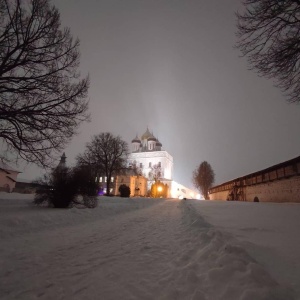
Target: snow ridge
125	249
220	267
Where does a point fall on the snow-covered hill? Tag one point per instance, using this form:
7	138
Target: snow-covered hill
149	249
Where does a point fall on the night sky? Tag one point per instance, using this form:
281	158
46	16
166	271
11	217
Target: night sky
171	65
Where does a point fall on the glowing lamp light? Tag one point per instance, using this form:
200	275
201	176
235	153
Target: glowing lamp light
159	189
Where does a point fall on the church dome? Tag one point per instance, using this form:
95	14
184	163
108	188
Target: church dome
158	143
152	139
147	135
136	140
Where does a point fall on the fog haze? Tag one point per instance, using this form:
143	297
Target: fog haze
171	65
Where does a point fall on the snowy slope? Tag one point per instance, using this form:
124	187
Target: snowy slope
137	249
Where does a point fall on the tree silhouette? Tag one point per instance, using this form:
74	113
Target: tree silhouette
269	35
61	187
203	178
42	98
106	154
156	172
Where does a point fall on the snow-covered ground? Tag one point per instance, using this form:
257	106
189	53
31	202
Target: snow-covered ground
149	249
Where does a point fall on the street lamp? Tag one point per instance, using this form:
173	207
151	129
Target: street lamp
159	191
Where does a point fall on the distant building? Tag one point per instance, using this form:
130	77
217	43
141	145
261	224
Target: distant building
137	184
149	159
278	183
102	185
62	162
29	186
26	186
8	177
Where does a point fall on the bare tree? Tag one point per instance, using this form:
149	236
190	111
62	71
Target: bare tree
269	35
156	172
88	161
42	98
203	178
106	153
137	171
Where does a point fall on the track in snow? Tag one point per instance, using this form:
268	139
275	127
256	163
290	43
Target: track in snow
132	249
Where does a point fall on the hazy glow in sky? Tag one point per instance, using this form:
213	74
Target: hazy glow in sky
171	65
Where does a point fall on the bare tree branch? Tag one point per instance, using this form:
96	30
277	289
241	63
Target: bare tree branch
42	98
269	35
106	154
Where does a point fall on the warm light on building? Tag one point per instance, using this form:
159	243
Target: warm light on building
155	163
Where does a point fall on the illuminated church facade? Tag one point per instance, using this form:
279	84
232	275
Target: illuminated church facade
154	163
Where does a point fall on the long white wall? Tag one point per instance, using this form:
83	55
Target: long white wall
283	190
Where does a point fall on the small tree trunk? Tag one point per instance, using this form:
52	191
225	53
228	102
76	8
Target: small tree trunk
108	186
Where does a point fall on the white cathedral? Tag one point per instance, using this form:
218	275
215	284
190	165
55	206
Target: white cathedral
153	162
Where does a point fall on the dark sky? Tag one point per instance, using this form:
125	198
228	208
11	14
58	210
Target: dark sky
171	65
